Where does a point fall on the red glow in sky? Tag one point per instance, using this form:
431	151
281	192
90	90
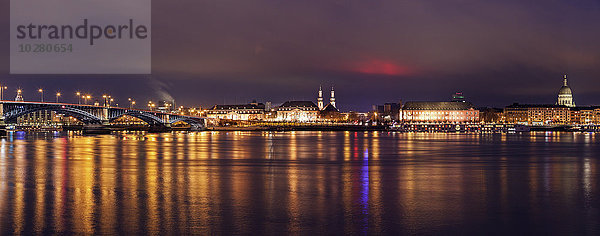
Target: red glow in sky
381	67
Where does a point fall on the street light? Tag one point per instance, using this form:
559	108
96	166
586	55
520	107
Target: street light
78	98
107	100
2	88
131	103
42	96
150	105
57	95
85	98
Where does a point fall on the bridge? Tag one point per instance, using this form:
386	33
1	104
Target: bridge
10	111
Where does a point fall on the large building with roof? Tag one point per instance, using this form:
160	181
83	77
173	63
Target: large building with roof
298	111
537	114
439	112
252	111
585	115
562	112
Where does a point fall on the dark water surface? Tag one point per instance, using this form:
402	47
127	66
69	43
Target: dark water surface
300	182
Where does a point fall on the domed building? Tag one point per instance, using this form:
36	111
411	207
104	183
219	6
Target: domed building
565	95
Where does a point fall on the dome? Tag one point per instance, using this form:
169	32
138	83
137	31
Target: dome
565	95
565	90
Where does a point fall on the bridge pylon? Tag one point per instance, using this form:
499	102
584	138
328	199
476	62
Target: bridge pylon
104	116
2	123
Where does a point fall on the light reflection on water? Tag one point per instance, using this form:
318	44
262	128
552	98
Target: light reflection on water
299	182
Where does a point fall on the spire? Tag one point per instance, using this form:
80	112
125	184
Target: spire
332	99
565	80
320	99
320	92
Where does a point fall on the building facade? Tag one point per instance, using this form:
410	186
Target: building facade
585	115
516	114
548	115
439	112
298	111
246	112
537	114
387	111
330	113
490	115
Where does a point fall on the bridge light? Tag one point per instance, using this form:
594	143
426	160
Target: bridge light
42	96
78	97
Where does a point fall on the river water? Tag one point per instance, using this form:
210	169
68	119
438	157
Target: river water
274	183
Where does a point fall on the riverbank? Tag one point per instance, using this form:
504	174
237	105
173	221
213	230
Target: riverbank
301	128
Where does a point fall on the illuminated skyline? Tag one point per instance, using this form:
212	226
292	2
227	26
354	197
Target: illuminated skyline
373	52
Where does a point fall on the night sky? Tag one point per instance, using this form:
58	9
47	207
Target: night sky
233	51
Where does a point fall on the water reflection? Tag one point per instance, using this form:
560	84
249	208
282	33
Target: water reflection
299	182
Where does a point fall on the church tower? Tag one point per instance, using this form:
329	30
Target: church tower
320	99
565	95
332	99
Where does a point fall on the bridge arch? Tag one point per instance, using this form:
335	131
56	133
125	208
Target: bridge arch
81	115
144	116
195	124
187	120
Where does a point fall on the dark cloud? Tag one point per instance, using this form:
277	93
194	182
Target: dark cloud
496	52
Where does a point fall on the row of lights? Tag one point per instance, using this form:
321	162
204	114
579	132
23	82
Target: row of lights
41	91
108	100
